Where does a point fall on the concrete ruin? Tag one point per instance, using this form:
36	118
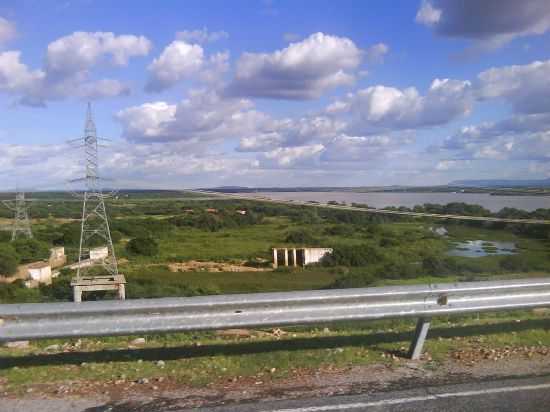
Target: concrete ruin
38	272
99	253
57	257
301	256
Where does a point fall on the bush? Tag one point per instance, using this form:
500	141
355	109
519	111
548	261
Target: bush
31	250
144	246
302	237
352	255
514	263
8	260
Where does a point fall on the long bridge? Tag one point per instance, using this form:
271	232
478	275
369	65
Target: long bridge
370	209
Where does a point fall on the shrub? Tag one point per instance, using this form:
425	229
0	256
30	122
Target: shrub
302	237
8	260
145	246
352	255
31	250
514	263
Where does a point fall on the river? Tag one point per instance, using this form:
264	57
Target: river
386	199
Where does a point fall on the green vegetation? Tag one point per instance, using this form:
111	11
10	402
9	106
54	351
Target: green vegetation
151	231
144	246
154	233
8	260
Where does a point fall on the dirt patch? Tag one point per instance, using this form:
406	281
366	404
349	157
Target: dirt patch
207	266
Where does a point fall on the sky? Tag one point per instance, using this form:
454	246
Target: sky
275	93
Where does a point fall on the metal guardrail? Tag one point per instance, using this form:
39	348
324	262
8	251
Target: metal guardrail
142	316
222	195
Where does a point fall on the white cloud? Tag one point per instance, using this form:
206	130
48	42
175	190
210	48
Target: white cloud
7	30
291	157
177	61
377	53
204	115
82	50
527	87
303	70
382	107
66	73
427	14
490	23
15	76
201	36
271	133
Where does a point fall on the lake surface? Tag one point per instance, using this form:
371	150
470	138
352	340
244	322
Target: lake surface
380	200
475	248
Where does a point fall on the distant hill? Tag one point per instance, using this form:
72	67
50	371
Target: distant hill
501	183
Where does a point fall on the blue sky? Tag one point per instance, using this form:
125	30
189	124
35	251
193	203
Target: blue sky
276	93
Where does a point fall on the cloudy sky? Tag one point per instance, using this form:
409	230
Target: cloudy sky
276	93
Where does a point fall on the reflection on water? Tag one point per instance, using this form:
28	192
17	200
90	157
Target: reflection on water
479	248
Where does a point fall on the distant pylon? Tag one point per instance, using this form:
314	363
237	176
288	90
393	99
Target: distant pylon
94	225
21	222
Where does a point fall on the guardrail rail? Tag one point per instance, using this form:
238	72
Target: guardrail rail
142	316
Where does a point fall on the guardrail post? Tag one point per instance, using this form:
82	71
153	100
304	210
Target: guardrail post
419	338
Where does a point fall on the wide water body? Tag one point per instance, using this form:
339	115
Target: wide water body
380	200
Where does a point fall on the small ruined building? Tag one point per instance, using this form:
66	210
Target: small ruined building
57	257
99	253
39	272
300	256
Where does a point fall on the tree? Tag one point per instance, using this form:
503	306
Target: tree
145	246
8	260
31	250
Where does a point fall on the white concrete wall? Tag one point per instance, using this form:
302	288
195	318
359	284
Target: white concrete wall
315	254
42	275
99	253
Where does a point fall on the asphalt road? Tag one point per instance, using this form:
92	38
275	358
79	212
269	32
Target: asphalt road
531	395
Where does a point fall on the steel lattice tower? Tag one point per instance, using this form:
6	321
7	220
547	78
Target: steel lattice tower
94	225
21	222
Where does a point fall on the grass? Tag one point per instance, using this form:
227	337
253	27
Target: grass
200	358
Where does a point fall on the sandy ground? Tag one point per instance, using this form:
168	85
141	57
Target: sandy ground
197	266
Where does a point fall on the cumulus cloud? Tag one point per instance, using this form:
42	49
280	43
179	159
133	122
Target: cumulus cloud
492	23
66	72
292	157
345	148
521	137
7	30
271	133
382	107
303	70
201	36
16	76
82	50
177	61
203	115
527	87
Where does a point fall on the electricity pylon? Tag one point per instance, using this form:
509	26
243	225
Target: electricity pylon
21	222
94	225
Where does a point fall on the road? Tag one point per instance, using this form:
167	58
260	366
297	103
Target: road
519	395
526	394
